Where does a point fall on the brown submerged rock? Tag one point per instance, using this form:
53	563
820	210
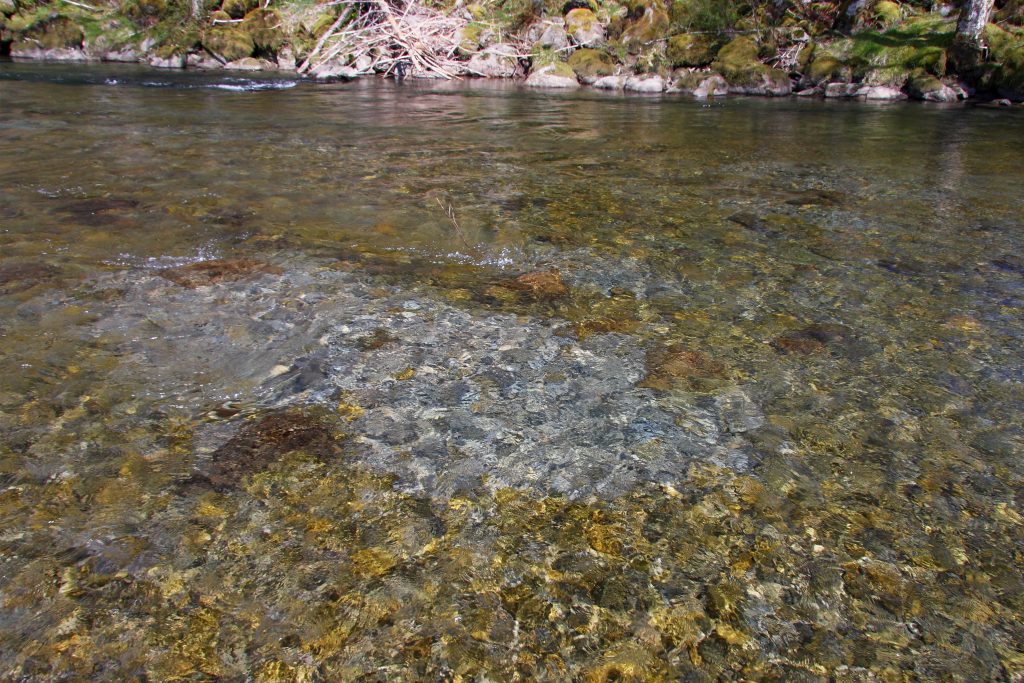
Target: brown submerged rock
17	276
810	339
98	211
266	441
217	270
677	366
540	285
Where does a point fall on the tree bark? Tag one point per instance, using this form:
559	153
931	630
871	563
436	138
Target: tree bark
969	43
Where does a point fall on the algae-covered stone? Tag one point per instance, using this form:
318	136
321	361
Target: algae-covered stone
691	49
584	27
228	43
735	56
553	75
45	32
590	64
264	26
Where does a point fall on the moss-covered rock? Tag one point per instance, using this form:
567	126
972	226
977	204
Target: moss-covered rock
737	55
887	12
922	85
1006	75
590	64
228	43
691	49
584	27
469	38
144	12
7	7
264	26
58	32
737	62
649	22
826	68
237	9
702	84
553	74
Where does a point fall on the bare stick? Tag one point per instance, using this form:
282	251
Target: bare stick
323	39
458	229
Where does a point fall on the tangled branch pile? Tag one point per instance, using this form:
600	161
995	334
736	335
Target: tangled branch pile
390	37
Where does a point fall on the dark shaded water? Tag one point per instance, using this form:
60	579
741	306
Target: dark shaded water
435	382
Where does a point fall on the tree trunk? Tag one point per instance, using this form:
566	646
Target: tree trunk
969	44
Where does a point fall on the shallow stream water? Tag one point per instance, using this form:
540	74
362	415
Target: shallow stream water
463	382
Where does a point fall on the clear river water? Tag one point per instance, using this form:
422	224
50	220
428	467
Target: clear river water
462	382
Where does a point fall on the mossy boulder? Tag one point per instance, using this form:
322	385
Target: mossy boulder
826	68
702	84
237	9
553	74
469	38
590	64
144	12
229	43
264	26
735	56
737	62
7	7
1006	76
52	33
887	12
584	27
648	23
691	49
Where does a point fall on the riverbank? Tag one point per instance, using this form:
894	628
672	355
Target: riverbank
890	52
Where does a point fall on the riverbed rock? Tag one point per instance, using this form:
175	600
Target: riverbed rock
585	28
882	93
286	60
128	55
201	60
645	84
24	50
843	90
553	75
678	367
251	64
334	71
590	64
497	61
610	82
691	49
170	61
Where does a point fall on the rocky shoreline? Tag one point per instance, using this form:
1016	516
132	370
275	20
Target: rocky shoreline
894	52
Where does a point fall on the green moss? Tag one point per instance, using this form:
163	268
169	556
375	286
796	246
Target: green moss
715	16
264	27
8	7
824	68
920	81
887	11
590	64
650	23
144	12
469	36
239	8
738	55
1006	76
691	49
918	44
229	43
580	19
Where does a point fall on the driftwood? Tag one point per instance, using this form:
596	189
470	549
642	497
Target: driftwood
390	36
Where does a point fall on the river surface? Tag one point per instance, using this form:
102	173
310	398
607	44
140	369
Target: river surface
461	382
